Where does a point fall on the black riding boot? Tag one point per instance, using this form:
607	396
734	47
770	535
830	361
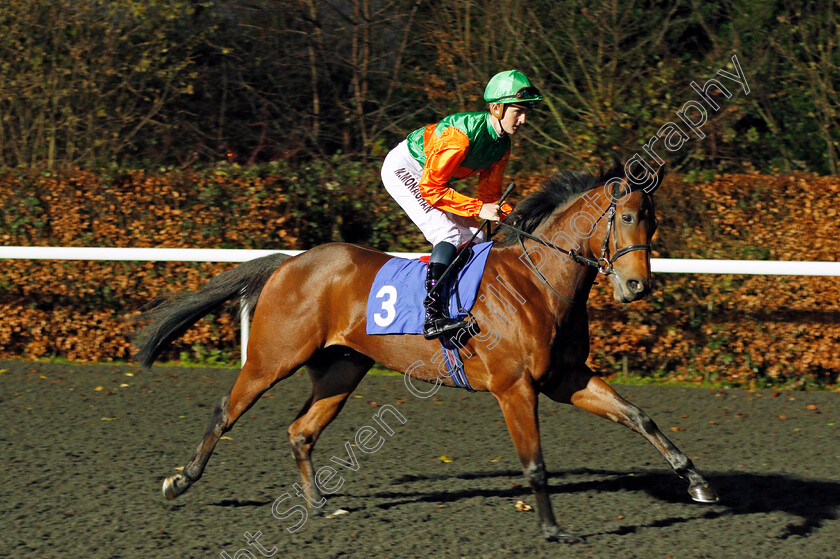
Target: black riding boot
437	323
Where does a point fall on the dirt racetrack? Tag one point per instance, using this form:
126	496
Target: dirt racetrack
82	469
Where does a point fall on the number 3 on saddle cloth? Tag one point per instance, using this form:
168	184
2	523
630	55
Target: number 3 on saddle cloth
395	302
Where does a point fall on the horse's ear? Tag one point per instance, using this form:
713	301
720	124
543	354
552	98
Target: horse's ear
617	168
655	180
652	180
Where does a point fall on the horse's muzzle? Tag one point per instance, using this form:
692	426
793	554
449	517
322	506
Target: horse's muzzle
637	287
633	289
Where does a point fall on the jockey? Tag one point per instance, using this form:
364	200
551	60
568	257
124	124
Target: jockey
419	171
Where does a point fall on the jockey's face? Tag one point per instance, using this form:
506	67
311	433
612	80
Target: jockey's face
513	118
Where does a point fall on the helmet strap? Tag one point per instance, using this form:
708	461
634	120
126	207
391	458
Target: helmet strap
499	114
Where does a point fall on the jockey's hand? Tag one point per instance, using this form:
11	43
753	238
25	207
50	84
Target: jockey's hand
491	212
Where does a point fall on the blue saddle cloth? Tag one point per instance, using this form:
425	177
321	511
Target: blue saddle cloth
395	302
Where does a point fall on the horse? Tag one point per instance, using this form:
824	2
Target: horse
531	335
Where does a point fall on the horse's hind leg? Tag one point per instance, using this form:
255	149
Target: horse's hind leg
252	382
587	391
335	373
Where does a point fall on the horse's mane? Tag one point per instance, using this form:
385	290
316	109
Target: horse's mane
559	189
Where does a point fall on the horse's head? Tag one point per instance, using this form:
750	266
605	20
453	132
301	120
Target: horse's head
621	239
601	221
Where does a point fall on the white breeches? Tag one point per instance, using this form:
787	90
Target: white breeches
401	176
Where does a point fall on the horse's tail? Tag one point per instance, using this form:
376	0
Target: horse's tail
173	316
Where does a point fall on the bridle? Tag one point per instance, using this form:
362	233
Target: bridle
604	263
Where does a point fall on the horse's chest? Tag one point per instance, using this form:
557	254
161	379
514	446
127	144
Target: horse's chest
570	342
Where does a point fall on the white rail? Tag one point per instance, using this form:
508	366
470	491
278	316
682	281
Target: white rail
755	267
659	265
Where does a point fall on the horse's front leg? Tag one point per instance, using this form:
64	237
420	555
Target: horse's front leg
587	391
519	405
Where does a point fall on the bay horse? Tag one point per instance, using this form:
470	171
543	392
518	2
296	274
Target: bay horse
532	336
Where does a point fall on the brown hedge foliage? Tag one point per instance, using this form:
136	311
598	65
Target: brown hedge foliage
745	330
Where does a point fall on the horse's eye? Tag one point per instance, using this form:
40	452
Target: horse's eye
627	218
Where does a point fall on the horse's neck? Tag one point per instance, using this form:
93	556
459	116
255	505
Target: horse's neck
563	227
571	279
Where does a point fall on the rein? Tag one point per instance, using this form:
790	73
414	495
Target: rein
604	264
540	274
573	254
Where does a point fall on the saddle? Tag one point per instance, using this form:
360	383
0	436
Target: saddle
395	301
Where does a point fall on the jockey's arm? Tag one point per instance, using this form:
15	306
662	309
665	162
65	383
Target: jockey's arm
490	184
442	161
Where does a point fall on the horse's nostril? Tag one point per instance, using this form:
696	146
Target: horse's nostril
635	286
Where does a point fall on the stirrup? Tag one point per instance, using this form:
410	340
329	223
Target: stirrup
436	327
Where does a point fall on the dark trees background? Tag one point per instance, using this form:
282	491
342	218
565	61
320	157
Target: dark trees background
150	83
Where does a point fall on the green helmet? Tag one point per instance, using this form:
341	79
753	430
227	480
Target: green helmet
511	86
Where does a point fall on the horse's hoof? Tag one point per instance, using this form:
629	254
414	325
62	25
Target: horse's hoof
175	485
703	493
553	533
